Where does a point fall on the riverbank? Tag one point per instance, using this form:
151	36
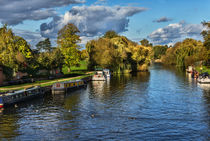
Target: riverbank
44	83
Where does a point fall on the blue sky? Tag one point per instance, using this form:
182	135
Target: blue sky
160	21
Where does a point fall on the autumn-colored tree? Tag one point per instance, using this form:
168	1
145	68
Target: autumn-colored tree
67	41
118	54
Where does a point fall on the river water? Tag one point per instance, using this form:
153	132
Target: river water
163	104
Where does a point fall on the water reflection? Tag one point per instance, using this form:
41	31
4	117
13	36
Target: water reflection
163	104
8	124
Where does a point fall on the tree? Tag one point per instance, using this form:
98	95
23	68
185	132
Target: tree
118	54
187	48
67	41
145	43
159	51
206	37
110	34
50	60
44	45
185	53
15	53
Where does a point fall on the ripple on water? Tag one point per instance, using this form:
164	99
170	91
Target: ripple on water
160	105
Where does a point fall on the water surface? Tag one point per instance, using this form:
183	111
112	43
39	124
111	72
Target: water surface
163	104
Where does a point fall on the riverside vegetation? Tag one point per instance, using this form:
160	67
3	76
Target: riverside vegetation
112	51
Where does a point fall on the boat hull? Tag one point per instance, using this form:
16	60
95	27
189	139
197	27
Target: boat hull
60	88
20	96
204	80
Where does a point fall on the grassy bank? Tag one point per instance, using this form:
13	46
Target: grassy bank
42	83
82	68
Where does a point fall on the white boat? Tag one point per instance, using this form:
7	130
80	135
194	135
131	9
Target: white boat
204	80
99	76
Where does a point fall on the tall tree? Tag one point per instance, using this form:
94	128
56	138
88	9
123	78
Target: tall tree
14	50
206	37
44	45
67	41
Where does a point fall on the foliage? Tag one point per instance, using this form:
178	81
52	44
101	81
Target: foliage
146	43
50	60
84	54
110	34
44	45
118	54
185	53
15	53
67	41
206	37
159	51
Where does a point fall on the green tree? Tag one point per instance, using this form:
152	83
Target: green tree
118	54
50	60
67	41
44	45
110	34
159	51
146	43
206	37
15	53
189	47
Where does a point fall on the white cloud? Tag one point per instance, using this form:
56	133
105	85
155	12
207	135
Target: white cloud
92	20
176	32
14	12
31	37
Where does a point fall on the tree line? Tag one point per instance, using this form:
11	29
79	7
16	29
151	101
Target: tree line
118	53
187	52
111	51
17	55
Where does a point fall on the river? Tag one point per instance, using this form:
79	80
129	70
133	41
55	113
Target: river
163	104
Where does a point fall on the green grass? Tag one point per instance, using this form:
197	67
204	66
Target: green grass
43	83
76	73
74	69
205	69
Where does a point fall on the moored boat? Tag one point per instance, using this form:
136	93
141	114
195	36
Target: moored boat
99	76
205	80
20	95
62	87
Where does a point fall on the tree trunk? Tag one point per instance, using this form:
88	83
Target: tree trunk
69	70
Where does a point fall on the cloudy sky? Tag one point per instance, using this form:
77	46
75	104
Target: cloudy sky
160	21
